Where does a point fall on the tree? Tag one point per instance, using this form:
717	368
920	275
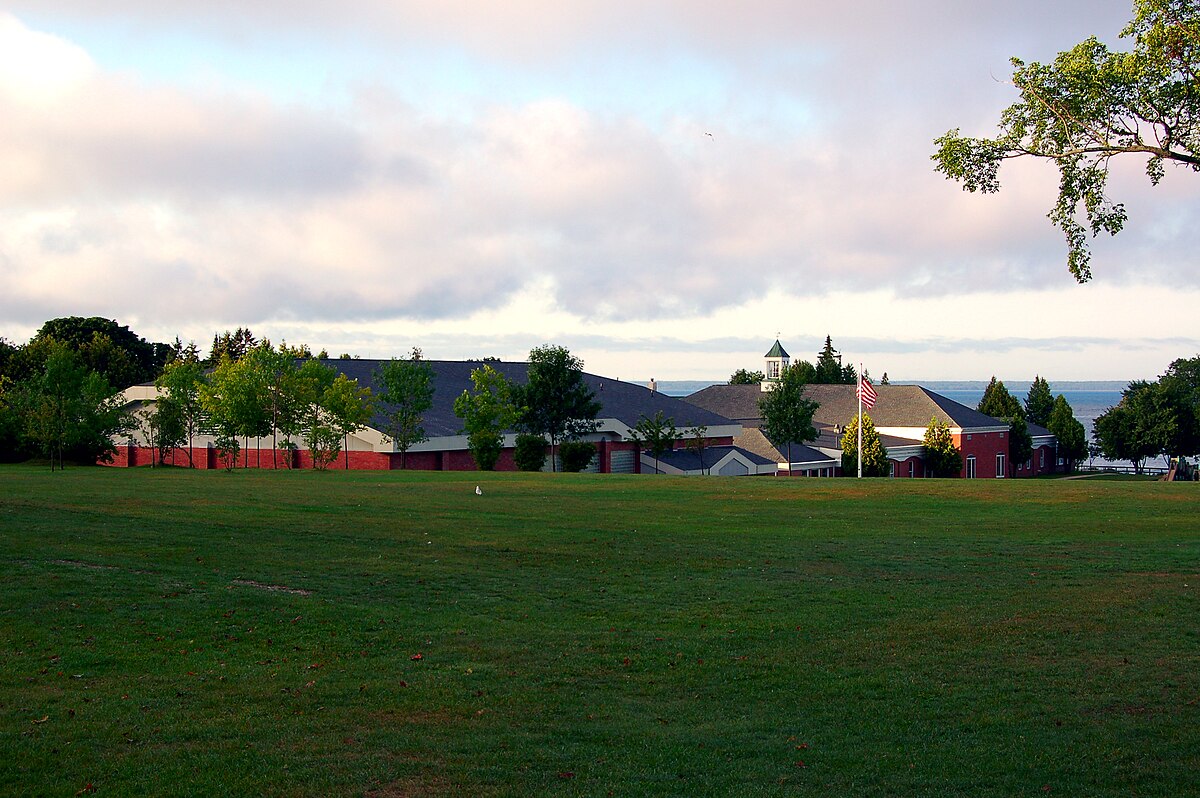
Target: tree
743	377
234	403
1089	106
787	415
576	455
346	408
697	441
997	402
179	386
656	435
111	350
557	402
408	389
530	452
1039	402
486	413
1181	383
1143	424
232	345
1020	443
884	379
942	457
829	365
1068	431
875	461
69	412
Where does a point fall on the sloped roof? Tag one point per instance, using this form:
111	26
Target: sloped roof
777	351
688	460
897	405
753	440
622	401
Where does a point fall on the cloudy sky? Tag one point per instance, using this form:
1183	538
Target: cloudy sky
662	186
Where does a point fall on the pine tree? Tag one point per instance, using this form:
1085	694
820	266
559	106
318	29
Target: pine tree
1039	402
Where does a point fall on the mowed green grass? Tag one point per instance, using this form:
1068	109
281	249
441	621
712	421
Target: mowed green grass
595	635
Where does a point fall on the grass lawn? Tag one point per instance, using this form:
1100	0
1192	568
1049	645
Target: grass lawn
393	634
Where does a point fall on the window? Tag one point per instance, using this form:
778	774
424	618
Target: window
971	466
893	469
1041	458
911	470
1000	466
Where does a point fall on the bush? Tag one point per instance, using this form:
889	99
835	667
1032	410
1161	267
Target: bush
530	453
576	454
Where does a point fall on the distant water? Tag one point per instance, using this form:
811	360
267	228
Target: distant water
1087	399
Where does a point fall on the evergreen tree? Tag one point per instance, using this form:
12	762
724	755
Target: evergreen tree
875	462
997	402
1039	402
942	457
1020	443
829	365
1068	431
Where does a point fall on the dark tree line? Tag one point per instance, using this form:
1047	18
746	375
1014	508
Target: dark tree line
1154	419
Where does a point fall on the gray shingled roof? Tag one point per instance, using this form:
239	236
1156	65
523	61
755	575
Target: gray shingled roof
897	406
688	460
622	401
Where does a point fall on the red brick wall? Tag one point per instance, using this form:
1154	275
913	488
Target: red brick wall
901	467
985	446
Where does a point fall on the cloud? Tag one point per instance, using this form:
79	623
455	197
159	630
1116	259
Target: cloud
224	201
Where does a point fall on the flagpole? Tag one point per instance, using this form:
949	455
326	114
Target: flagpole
859	392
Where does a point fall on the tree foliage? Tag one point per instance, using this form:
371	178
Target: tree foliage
530	452
1068	431
743	377
656	435
942	457
1154	418
787	414
487	411
829	369
1088	106
997	402
556	401
408	390
1039	402
1020	443
576	455
875	460
67	411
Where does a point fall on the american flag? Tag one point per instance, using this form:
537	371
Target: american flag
866	393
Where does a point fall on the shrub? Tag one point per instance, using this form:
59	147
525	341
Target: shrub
530	453
576	454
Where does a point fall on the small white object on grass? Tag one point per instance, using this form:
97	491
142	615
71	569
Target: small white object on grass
478	491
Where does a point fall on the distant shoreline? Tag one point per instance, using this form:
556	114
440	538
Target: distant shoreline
1017	388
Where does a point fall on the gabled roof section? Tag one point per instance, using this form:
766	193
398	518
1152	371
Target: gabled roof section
897	406
689	460
622	401
777	351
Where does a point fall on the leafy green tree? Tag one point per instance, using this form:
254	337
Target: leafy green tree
557	402
942	457
875	460
997	402
697	441
486	413
179	386
576	455
787	414
656	435
235	404
743	377
1142	425
1089	106
70	412
1068	431
1181	384
1020	443
345	408
408	391
111	350
1039	402
530	452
